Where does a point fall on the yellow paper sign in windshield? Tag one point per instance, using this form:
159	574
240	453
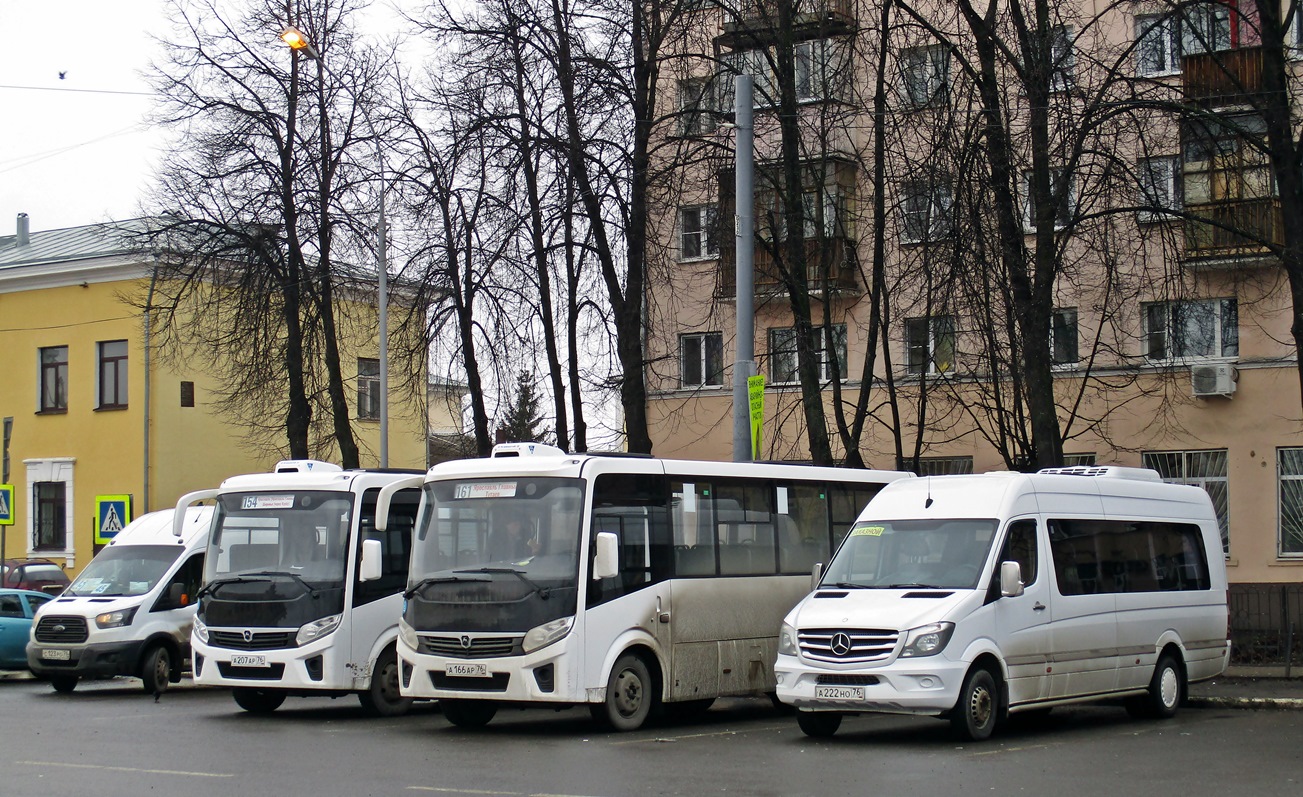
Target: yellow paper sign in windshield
867	531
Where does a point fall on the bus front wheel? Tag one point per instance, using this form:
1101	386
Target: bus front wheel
257	701
974	716
630	695
468	713
382	698
818	724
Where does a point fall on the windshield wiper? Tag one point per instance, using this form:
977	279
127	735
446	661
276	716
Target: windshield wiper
425	582
913	586
846	585
215	584
308	588
543	592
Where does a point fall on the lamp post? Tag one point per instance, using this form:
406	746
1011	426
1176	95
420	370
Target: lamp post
298	42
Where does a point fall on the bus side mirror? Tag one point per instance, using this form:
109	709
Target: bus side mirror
816	576
369	570
1010	579
606	558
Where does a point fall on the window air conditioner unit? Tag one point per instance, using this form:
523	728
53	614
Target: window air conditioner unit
1217	379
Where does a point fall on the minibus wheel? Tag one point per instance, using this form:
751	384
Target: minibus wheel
468	713
63	684
1166	689
156	670
975	715
630	695
257	701
382	698
818	724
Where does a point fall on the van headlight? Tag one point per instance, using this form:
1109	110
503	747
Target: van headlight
317	629
927	640
200	629
787	640
547	633
116	619
408	635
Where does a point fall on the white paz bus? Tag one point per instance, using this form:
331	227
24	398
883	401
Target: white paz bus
974	597
619	582
301	593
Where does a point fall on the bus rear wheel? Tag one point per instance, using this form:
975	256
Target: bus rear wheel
1166	689
257	701
468	713
630	695
383	698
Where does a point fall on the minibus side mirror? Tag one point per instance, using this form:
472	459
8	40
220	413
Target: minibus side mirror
606	556
176	595
1010	579
369	569
816	575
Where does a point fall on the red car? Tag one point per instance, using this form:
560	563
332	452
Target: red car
40	575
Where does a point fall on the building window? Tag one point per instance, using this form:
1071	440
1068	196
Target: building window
1206	27
696	108
783	357
821	70
1192	329
925	210
1206	469
1289	466
931	344
1062	192
51	527
1160	188
926	74
701	358
944	466
54	379
1158	47
1078	460
368	389
113	374
698	232
187	394
1064	59
1063	336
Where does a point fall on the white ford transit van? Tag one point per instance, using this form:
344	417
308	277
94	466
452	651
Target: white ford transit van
973	597
130	611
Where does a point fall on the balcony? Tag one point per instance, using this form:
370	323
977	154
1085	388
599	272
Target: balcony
842	277
1222	78
754	23
1251	223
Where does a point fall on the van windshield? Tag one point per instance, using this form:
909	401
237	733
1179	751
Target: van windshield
905	554
124	570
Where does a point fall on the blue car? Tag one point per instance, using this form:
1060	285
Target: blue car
17	608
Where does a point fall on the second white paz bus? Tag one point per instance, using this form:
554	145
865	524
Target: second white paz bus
619	582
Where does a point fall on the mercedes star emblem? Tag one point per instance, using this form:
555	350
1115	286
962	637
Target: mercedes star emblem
841	644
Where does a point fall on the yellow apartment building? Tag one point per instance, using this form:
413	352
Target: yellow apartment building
1181	361
90	410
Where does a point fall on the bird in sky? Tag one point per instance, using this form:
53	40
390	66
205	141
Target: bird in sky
62	75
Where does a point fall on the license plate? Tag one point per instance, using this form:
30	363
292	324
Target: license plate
467	670
248	661
56	655
839	692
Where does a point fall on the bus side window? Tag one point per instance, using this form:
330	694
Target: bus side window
803	534
633	507
395	543
1020	547
694	525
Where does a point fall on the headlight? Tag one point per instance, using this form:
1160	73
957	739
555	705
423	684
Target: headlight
317	629
116	619
927	640
408	635
546	634
787	640
200	630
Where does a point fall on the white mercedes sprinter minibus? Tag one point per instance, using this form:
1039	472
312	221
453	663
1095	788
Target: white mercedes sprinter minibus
974	597
130	611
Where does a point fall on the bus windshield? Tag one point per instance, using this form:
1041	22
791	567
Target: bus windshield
526	524
124	570
297	536
918	554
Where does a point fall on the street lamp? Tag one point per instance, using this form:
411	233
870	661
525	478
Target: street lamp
299	42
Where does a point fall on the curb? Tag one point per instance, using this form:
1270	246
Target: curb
1274	703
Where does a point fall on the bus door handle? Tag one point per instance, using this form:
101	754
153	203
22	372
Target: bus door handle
1038	607
661	616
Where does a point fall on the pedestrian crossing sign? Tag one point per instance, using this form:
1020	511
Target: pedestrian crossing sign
112	512
6	505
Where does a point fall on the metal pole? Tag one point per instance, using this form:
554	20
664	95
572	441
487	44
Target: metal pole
744	249
382	265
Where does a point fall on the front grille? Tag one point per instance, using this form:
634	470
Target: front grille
832	679
846	644
480	647
497	682
61	629
272	673
259	640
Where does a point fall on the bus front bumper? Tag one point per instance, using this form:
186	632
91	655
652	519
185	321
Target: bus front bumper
926	686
